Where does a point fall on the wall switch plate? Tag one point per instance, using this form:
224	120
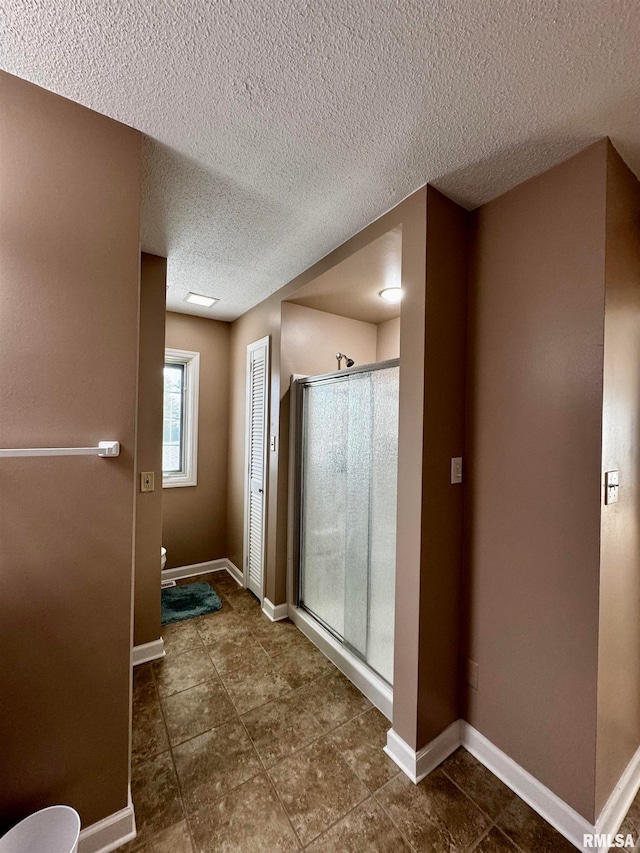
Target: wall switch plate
611	486
147	481
273	443
456	469
472	674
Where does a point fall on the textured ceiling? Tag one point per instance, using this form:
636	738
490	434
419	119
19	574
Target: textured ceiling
352	287
278	129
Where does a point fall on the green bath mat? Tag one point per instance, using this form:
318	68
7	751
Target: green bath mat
185	602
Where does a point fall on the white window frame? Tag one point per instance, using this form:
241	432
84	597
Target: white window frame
191	362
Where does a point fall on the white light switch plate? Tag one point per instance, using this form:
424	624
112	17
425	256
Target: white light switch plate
611	486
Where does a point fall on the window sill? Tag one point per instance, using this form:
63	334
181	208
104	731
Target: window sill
176	482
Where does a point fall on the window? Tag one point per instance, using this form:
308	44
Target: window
180	418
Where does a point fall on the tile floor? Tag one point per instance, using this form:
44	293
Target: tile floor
245	738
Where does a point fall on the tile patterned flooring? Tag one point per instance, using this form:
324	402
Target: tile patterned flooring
246	738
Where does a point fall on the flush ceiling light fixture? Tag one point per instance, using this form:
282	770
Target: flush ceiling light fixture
199	299
391	294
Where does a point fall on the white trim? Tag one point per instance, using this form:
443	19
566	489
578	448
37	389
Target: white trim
148	651
365	679
202	569
235	573
256	345
109	833
542	800
194	569
275	612
616	808
570	824
548	805
417	765
191	361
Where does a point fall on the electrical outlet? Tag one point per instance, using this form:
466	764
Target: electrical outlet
472	674
147	481
456	469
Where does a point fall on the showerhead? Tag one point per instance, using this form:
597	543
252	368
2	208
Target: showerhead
340	355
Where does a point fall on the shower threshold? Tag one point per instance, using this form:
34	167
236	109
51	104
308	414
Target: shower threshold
376	689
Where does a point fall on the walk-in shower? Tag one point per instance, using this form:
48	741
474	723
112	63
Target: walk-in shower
344	519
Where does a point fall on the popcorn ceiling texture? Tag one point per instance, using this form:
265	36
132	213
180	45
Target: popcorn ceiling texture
279	128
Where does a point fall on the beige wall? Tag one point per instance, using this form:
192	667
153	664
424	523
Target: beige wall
194	518
533	474
310	340
388	340
618	732
69	268
153	275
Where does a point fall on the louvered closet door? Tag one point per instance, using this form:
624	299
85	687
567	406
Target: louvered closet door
256	457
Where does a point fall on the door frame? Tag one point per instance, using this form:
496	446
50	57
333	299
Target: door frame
262	342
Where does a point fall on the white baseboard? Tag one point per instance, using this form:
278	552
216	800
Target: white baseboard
541	799
202	569
109	833
570	824
235	573
617	806
146	652
374	688
417	765
275	612
547	804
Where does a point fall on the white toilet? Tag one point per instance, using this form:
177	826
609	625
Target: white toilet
163	557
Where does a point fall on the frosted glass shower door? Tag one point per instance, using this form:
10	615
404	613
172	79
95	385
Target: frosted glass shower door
324	502
382	521
348	509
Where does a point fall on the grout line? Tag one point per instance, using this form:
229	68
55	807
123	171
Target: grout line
271	783
173	764
239	718
342	817
493	820
315	739
469	797
482	837
392	821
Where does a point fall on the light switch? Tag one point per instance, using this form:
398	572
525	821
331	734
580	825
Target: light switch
472	673
147	481
611	487
456	469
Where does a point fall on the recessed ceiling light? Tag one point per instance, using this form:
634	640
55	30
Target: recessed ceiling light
199	299
391	294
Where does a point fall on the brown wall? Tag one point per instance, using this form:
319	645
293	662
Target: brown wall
533	473
618	732
388	340
153	275
430	509
69	267
194	518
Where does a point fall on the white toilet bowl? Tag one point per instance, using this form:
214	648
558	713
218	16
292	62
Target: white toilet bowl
52	830
163	557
